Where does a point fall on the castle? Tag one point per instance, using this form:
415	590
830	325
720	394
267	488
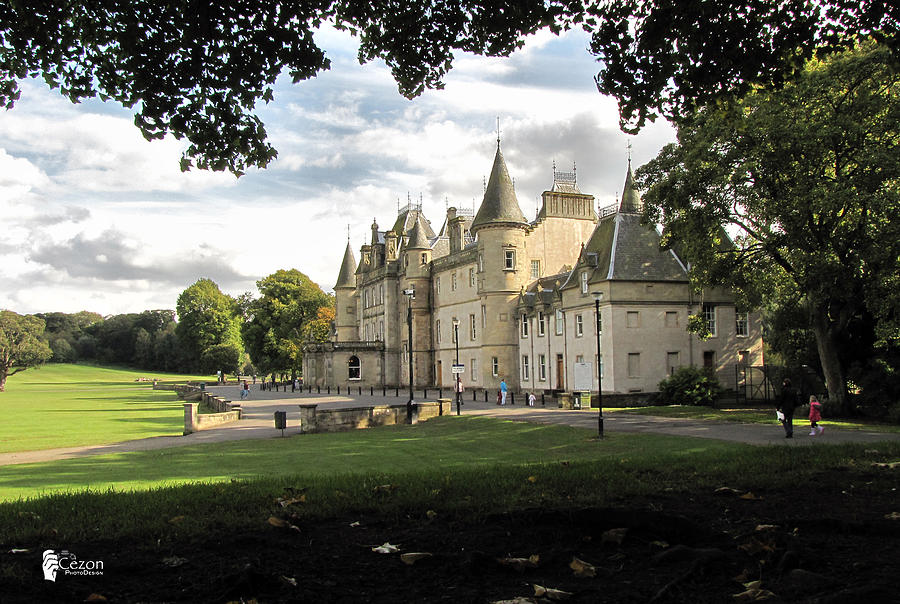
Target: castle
523	301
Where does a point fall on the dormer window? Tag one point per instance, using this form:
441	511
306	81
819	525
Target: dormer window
584	282
424	258
509	260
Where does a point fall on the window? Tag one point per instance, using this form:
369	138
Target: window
709	315
437	285
542	367
473	371
579	358
471	277
559	322
483	316
424	258
509	260
634	364
495	366
632	318
579	326
437	331
381	294
354	368
525	372
584	282
709	359
673	362
535	269
453	282
480	262
671	318
742	324
381	330
524	326
541	323
472	333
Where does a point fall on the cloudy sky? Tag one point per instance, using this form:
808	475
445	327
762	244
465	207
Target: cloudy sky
96	218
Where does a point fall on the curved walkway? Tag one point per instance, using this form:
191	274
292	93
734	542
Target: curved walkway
258	423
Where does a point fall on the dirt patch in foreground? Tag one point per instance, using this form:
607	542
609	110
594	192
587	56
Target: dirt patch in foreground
836	541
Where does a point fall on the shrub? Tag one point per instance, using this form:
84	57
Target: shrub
689	386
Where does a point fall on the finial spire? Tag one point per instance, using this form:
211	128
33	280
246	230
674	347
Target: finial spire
628	146
498	131
348	232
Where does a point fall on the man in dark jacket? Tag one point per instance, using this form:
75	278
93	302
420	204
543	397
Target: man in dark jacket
787	402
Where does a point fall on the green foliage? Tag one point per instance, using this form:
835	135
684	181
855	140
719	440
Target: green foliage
206	318
690	386
281	319
225	357
199	72
21	346
807	175
698	325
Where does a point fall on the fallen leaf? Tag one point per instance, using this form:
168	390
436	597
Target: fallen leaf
413	557
516	601
754	546
386	548
354	524
726	491
290	580
281	523
176	519
19	551
431	514
384	488
660	544
616	535
887	466
750	496
284	502
765	527
520	563
552	594
95	598
174	561
582	568
892	516
532	479
753	584
753	595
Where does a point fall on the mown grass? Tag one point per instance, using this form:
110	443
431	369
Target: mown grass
468	467
67	405
751	416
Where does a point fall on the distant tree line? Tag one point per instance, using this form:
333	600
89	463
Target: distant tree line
208	331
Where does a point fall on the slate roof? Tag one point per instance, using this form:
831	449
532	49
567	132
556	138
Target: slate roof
348	269
499	205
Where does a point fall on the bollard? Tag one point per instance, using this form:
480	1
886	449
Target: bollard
542	399
473	396
384	391
485	396
512	398
360	390
396	392
318	389
440	393
328	389
371	390
425	396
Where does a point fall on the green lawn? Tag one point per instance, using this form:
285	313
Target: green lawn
446	443
64	405
750	416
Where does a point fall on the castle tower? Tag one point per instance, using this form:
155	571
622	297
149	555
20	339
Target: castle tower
500	228
417	256
345	319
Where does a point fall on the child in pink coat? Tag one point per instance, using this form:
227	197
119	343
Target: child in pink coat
815	416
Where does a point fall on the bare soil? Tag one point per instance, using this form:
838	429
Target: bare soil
829	542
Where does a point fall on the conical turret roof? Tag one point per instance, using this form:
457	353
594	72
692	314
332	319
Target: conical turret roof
499	205
346	278
417	236
631	201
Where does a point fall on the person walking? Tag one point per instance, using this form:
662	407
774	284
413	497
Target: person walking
787	402
245	390
815	416
531	399
503	390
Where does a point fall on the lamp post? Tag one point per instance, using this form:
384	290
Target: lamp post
456	364
597	297
410	296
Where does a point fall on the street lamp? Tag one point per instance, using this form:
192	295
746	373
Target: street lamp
597	297
410	296
456	364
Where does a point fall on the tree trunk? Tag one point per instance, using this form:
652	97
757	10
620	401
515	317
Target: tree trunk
2	380
824	330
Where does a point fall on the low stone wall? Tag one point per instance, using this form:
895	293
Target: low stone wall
313	419
195	422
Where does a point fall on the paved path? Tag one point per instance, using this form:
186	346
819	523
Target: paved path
258	422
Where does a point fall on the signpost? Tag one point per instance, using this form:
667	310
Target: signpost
458	368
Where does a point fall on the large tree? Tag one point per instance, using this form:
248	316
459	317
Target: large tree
279	321
198	70
206	318
808	179
21	345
